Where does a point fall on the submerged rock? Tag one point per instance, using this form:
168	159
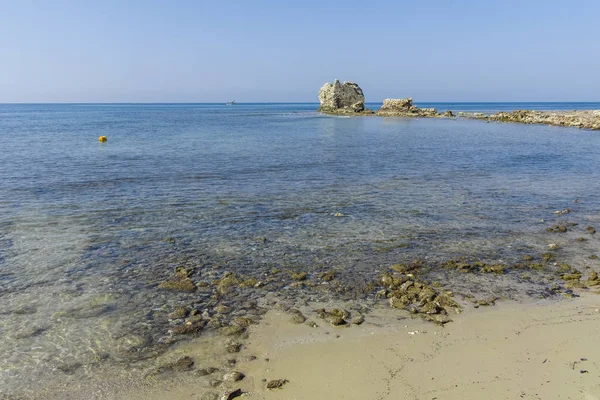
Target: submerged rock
184	363
69	368
341	98
183	285
179	312
188	328
206	371
298	276
557	229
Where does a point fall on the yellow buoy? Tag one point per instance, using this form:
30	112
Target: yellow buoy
102	138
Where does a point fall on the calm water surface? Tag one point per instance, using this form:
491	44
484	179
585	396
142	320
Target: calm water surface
88	229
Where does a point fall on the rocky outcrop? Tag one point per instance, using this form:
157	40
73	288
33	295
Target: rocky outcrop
405	108
342	98
587	119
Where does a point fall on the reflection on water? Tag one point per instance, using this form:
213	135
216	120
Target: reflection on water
88	229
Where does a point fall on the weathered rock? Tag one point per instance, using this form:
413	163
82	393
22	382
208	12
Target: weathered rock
338	312
184	363
341	98
233	376
399	302
188	328
206	371
405	108
439	319
336	321
557	229
276	383
232	330
593	279
328	276
209	396
430	308
244	322
298	276
178	284
228	280
69	368
587	119
574	275
179	312
249	283
297	316
232	346
231	394
215	382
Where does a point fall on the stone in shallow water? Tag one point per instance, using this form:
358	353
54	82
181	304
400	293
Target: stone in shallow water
30	332
297	316
206	371
276	383
69	368
184	363
233	346
182	285
243	322
209	396
25	310
439	319
336	321
232	330
231	394
233	376
188	328
179	312
298	276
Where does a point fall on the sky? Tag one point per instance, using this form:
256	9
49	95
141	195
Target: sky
284	51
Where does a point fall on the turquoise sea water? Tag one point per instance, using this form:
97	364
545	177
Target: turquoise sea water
88	229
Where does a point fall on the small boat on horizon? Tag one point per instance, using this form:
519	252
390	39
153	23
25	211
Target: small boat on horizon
231	103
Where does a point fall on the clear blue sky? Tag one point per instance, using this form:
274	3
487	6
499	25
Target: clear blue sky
259	50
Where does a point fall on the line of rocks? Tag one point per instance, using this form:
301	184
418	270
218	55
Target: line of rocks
585	119
348	99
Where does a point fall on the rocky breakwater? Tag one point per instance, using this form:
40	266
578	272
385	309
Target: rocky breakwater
406	108
586	119
342	98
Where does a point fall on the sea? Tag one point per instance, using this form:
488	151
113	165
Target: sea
89	229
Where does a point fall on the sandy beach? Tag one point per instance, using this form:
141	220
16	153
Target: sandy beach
542	350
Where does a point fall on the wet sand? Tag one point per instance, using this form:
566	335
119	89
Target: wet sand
538	350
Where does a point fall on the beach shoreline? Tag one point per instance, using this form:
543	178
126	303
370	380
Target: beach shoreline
537	350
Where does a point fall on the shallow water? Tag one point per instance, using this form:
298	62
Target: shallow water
88	229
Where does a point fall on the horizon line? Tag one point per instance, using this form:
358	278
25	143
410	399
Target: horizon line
282	102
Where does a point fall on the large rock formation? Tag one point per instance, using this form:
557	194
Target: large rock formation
405	108
341	98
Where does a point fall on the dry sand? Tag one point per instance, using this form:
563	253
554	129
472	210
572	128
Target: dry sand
511	351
